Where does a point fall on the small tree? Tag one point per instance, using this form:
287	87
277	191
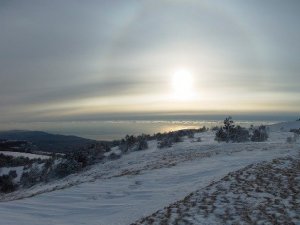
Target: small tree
230	132
220	135
228	127
142	143
191	135
165	143
260	134
66	168
239	134
6	184
225	133
13	174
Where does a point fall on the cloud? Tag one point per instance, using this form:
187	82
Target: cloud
58	52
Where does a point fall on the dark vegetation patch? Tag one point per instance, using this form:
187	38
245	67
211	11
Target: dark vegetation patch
166	140
6	182
229	132
44	170
12	161
296	131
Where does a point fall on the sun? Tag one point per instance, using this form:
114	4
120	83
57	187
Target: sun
182	85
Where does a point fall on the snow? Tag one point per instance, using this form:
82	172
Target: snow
18	169
285	126
114	150
138	184
270	197
23	154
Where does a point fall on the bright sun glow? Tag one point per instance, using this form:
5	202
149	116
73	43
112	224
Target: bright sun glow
183	85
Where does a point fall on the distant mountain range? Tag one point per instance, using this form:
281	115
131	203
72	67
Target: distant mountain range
48	142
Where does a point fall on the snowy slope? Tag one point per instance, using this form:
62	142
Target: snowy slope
285	126
267	193
138	184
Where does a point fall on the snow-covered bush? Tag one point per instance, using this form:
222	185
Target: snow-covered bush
13	174
191	135
170	138
215	128
165	143
240	134
141	144
166	140
114	156
7	184
230	132
235	134
31	177
291	140
66	168
132	143
127	143
225	132
260	134
221	135
201	130
296	131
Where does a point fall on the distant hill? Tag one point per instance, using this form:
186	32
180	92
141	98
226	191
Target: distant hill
48	142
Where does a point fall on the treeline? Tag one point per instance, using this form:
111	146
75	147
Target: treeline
7	183
44	170
59	167
11	161
132	143
167	139
16	146
229	132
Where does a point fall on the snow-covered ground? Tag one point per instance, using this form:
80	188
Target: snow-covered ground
138	184
24	154
285	126
267	193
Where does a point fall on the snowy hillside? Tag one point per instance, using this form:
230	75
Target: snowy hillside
265	193
138	184
285	126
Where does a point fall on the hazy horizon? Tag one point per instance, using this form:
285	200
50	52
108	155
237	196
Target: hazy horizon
116	129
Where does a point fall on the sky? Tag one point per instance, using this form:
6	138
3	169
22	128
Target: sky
81	60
